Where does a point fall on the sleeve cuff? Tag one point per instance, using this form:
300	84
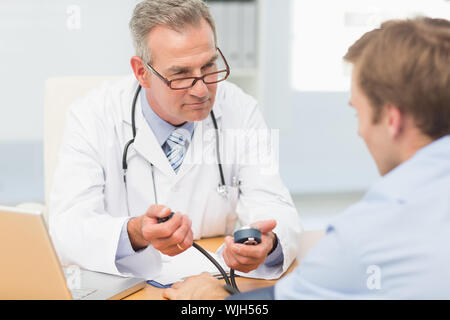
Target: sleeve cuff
267	293
124	248
276	257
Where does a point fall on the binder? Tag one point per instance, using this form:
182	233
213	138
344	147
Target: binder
236	28
217	11
233	30
249	34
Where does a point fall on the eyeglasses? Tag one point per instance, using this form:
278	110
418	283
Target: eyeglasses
189	82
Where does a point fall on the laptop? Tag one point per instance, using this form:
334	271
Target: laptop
30	268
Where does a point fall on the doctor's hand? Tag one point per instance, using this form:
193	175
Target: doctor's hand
171	237
246	258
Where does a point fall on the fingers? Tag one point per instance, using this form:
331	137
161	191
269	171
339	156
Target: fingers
156	211
152	229
171	237
203	286
178	242
176	285
188	240
265	226
237	261
170	293
173	292
246	258
228	256
183	236
249	251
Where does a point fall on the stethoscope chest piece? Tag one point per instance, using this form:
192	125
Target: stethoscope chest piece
222	190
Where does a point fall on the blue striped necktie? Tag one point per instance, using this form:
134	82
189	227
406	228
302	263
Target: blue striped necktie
178	142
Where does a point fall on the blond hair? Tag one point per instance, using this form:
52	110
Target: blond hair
407	63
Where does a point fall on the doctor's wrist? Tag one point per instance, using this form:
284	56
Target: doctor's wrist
134	229
274	237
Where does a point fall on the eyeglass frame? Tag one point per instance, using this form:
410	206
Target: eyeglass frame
195	79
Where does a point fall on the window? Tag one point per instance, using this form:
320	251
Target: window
322	31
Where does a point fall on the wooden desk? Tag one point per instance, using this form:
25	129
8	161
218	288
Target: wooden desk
307	241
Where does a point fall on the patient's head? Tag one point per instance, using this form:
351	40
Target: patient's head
401	87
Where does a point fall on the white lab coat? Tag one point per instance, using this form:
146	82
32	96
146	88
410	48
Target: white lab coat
88	204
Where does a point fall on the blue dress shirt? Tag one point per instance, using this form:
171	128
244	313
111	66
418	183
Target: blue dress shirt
393	244
162	130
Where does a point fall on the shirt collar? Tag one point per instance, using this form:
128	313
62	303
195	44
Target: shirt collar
161	128
426	164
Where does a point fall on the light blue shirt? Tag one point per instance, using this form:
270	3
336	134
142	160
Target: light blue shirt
393	244
162	130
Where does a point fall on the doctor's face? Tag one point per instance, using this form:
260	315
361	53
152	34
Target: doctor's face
177	55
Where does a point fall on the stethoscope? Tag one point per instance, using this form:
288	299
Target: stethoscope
221	189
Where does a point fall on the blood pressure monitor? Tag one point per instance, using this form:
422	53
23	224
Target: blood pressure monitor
247	235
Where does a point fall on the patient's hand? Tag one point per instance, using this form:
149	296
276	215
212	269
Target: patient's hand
201	287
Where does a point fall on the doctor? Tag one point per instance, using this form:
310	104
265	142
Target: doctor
173	137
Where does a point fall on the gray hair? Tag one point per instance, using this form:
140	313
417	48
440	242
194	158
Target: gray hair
175	14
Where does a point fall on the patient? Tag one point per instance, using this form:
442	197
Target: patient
393	244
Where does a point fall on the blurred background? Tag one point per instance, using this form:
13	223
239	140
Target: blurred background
286	53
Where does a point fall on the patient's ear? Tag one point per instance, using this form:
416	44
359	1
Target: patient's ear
395	120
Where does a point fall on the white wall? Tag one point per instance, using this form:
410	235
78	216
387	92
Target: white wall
305	86
319	148
40	39
320	151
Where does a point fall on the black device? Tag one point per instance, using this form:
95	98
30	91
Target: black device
248	236
161	220
245	235
206	254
